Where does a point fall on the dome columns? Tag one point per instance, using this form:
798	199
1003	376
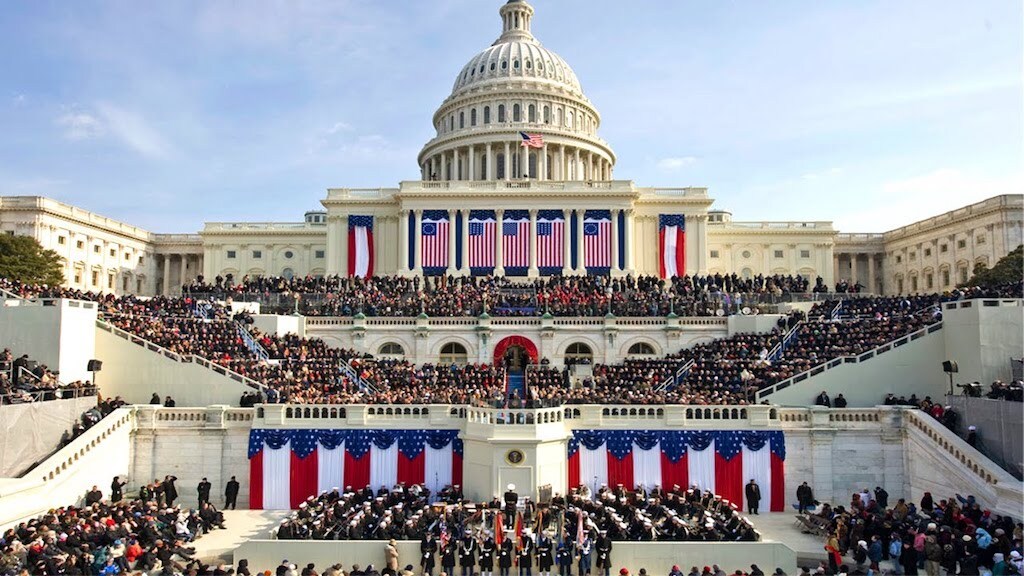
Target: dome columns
490	161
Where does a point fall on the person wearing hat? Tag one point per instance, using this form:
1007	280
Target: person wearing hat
545	554
487	549
753	494
526	548
511	499
428	553
585	553
467	553
506	554
972	436
604	553
116	487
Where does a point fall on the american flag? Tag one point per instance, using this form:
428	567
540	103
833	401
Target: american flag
435	242
532	140
597	234
481	241
515	243
550	245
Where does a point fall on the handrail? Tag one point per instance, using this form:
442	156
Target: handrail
251	343
972	460
350	372
837	310
38	395
183	358
673	380
839	360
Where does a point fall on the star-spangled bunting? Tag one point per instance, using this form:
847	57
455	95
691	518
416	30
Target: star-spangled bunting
728	443
302	443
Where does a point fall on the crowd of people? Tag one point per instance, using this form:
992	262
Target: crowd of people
955	535
24	380
109	536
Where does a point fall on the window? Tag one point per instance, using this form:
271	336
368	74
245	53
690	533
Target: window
504	64
319	254
391	349
805	254
778	253
963	274
61	240
945	278
578	351
231	254
462	120
516	113
531	113
487	114
913	284
80	245
961	243
288	273
981	239
95	277
501	112
641	349
78	276
714	253
127	257
515	64
288	255
110	281
943	248
142	260
927	252
96	249
453	353
138	285
746	254
257	254
472	117
113	252
928	281
913	256
547	115
899	259
899	285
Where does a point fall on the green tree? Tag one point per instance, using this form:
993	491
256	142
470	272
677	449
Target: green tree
22	258
1010	268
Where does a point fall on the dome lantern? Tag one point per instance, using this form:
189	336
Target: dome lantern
515	17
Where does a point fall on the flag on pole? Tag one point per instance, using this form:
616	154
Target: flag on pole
672	245
360	246
532	140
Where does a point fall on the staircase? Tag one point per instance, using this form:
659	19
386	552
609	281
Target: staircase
255	347
676	378
350	373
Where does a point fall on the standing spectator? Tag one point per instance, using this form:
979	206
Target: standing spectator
823	400
804	497
231	493
972	436
753	493
93	496
155	399
170	491
840	401
203	489
115	489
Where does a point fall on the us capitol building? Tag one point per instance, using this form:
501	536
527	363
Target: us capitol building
561	194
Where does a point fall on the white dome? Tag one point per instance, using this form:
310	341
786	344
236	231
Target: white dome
517	60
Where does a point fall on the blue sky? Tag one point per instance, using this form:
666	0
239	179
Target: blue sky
870	113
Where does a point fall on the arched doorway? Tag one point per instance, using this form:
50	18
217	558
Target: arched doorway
516	352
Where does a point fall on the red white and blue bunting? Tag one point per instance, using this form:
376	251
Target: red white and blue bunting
720	461
288	466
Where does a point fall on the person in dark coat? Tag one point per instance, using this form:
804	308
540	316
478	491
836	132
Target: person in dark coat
545	554
604	554
93	496
467	554
115	489
505	555
169	402
231	494
448	556
203	489
564	558
170	491
487	550
753	493
804	497
155	399
823	400
526	548
840	402
428	553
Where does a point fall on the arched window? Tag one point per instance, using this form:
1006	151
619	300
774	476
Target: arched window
501	112
453	353
516	113
487	114
532	111
547	115
500	166
391	349
641	349
288	273
462	120
568	119
472	117
558	116
578	351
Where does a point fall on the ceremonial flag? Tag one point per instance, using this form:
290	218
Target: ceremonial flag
288	466
532	140
597	234
550	238
721	461
434	246
672	245
515	241
360	246
481	239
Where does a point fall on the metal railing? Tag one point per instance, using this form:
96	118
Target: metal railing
839	360
251	343
675	379
66	393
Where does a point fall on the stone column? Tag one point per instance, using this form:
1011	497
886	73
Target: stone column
615	241
343	247
566	242
499	256
472	164
457	163
333	244
577	166
183	273
417	265
489	163
524	155
534	271
508	162
167	275
403	241
581	266
628	234
464	270
561	163
590	166
542	163
451	242
871	274
835	270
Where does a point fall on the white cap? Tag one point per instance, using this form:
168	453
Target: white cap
511	486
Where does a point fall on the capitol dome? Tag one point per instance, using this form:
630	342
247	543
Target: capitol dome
516	86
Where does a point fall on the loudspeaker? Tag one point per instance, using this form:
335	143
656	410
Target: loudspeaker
94	366
950	367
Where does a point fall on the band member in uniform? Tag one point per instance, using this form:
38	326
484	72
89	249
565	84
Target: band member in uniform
511	500
428	553
564	558
487	557
448	556
467	553
545	554
506	554
585	552
604	554
526	547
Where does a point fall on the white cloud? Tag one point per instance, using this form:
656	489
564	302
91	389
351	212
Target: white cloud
823	174
134	131
80	126
676	163
904	201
